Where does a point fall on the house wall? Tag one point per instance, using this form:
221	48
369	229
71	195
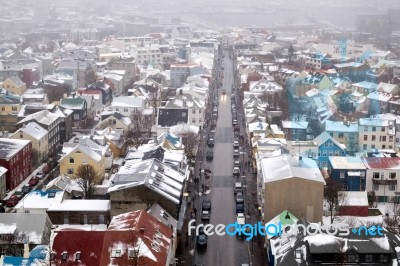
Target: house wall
3	185
375	138
9	86
40	146
350	183
139	198
196	117
385	188
295	195
353	211
328	149
79	159
19	167
113	123
350	139
79	217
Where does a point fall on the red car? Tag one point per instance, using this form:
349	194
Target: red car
33	181
12	201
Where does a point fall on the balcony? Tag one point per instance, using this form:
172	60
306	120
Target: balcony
384	181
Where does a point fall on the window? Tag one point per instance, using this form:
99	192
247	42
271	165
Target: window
324	164
64	255
373	137
183	114
326	144
76	117
352	258
3	108
383	138
324	153
365	147
365	128
391	138
193	111
392	187
193	120
392	175
341	135
116	253
199	111
375	175
376	187
71	160
78	256
330	153
341	174
70	171
383	146
125	110
373	129
382	129
368	258
365	137
382	175
14	108
52	256
383	258
373	146
336	153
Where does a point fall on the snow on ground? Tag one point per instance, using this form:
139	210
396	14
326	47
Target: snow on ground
354	221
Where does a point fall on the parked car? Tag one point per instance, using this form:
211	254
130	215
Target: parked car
236	171
239	197
201	240
236	144
239	208
236	163
19	193
26	189
40	174
210	142
238	187
33	181
234	122
206	204
205	215
210	155
236	153
12	201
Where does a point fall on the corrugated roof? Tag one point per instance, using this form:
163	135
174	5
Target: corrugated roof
382	162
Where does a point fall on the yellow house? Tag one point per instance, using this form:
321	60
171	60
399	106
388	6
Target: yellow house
14	85
39	138
116	121
86	151
10	105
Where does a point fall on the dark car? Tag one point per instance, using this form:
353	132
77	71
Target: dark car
33	181
223	92
239	197
210	142
239	208
201	239
12	201
210	155
26	189
206	205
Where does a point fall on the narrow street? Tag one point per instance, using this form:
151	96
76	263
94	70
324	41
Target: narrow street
223	250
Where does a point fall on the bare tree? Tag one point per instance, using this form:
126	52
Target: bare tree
90	76
291	54
334	197
141	124
87	178
392	218
190	140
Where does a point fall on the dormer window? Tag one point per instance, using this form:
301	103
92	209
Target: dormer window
78	255
116	253
64	255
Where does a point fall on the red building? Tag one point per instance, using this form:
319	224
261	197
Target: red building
355	203
15	156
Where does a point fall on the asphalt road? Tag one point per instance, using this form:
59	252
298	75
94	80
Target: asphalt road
223	250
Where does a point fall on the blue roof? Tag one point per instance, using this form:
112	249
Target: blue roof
19	261
172	139
39	252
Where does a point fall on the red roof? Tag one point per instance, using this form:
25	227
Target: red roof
382	162
136	229
88	243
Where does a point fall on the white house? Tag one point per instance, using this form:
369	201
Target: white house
127	105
